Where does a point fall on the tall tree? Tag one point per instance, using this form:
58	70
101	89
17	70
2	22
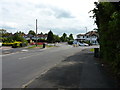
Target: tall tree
32	32
50	37
71	37
64	37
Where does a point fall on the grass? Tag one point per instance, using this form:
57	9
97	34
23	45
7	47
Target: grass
34	46
92	50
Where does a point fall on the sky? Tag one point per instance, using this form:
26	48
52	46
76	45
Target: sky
60	16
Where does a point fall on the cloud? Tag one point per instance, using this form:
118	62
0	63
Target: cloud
60	16
61	13
8	25
55	11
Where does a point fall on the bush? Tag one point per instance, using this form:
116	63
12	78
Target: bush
70	42
7	44
42	40
16	44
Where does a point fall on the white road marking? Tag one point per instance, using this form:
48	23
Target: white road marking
24	50
10	54
28	56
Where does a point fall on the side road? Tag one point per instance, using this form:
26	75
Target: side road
81	70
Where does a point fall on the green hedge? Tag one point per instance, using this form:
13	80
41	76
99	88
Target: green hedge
15	44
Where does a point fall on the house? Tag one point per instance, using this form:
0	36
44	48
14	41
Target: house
39	36
90	36
42	36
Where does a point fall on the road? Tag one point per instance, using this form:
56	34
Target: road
81	70
20	68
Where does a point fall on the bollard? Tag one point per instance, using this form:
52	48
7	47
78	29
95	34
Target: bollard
43	45
96	52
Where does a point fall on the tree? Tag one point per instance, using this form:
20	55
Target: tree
64	37
31	32
107	19
18	37
50	37
3	31
56	38
71	37
19	33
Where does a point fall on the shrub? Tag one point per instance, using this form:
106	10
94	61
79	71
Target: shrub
70	42
7	44
42	40
16	44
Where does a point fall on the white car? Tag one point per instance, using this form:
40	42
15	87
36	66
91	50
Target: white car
83	44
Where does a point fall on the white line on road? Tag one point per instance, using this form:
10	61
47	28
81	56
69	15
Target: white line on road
29	56
10	54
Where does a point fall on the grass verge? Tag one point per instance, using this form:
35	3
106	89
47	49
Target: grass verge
92	50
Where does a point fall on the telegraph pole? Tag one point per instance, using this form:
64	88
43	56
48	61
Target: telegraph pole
36	32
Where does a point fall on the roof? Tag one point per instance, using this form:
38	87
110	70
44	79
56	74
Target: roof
90	33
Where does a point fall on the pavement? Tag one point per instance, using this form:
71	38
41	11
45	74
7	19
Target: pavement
80	70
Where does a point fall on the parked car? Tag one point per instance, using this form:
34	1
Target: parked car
83	44
86	44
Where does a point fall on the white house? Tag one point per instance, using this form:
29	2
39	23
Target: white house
91	36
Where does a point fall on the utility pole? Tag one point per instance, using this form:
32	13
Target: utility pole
36	32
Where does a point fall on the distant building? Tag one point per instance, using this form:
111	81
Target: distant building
91	36
39	36
42	36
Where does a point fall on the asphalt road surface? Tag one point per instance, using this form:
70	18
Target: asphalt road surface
21	68
81	70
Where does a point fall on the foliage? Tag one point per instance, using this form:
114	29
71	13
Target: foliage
16	40
2	31
71	37
107	18
56	38
70	42
42	40
31	32
18	37
64	37
50	37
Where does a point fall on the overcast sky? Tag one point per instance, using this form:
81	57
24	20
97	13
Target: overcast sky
69	16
